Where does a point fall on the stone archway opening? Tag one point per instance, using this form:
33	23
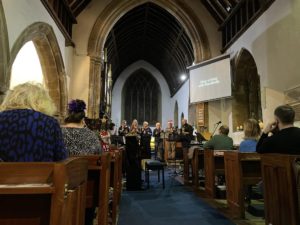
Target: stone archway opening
45	42
111	15
26	67
246	90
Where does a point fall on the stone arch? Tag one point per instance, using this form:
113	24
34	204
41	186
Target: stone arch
4	51
246	89
45	42
113	12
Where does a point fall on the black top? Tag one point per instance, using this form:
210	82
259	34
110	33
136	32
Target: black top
123	130
156	134
188	128
146	133
286	141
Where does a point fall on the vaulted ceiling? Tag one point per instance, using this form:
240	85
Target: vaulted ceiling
150	33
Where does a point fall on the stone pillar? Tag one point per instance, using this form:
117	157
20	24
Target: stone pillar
94	87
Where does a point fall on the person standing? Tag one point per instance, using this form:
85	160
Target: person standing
123	129
146	134
186	133
170	144
157	132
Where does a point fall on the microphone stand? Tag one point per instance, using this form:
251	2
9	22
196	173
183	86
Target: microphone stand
216	126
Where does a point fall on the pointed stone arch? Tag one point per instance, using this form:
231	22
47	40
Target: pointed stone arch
246	89
45	42
113	12
4	51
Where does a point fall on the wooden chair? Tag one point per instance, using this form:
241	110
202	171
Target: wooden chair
42	193
279	189
241	170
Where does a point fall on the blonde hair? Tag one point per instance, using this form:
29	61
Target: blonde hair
251	129
29	96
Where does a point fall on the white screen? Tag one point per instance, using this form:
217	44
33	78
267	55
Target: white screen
210	80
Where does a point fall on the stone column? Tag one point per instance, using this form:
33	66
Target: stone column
94	87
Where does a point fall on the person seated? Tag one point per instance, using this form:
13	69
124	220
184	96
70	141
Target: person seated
28	130
112	129
252	132
220	141
79	139
280	135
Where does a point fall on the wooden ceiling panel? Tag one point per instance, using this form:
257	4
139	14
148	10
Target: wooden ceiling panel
150	33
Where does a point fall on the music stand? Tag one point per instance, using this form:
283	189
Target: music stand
216	126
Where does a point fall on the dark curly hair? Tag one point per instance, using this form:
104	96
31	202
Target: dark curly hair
75	111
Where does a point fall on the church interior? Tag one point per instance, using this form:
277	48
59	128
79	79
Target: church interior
180	72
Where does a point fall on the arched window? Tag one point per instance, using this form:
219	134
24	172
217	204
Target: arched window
27	66
142	98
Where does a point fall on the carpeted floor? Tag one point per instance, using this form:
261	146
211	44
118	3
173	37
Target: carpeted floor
176	205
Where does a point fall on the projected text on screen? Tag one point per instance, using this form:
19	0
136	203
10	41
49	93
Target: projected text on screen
210	80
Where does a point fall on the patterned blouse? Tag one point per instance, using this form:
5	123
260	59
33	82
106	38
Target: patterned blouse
30	136
81	141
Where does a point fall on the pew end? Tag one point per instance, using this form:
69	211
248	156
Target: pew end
43	193
280	190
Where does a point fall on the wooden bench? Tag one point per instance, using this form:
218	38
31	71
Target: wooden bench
42	193
280	189
116	181
241	170
98	184
188	162
197	163
213	166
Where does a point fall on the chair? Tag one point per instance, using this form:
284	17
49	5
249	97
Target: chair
154	165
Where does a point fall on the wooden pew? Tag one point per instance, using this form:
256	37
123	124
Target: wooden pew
213	165
241	170
279	189
197	163
116	181
42	193
98	185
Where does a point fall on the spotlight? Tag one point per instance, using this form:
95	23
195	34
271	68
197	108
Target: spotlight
183	77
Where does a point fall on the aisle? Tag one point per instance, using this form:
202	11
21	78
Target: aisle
176	205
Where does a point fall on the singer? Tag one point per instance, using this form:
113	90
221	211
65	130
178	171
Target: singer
220	141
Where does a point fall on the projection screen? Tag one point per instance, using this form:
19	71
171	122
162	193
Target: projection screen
210	80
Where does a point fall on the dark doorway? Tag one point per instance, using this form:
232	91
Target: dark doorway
246	90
